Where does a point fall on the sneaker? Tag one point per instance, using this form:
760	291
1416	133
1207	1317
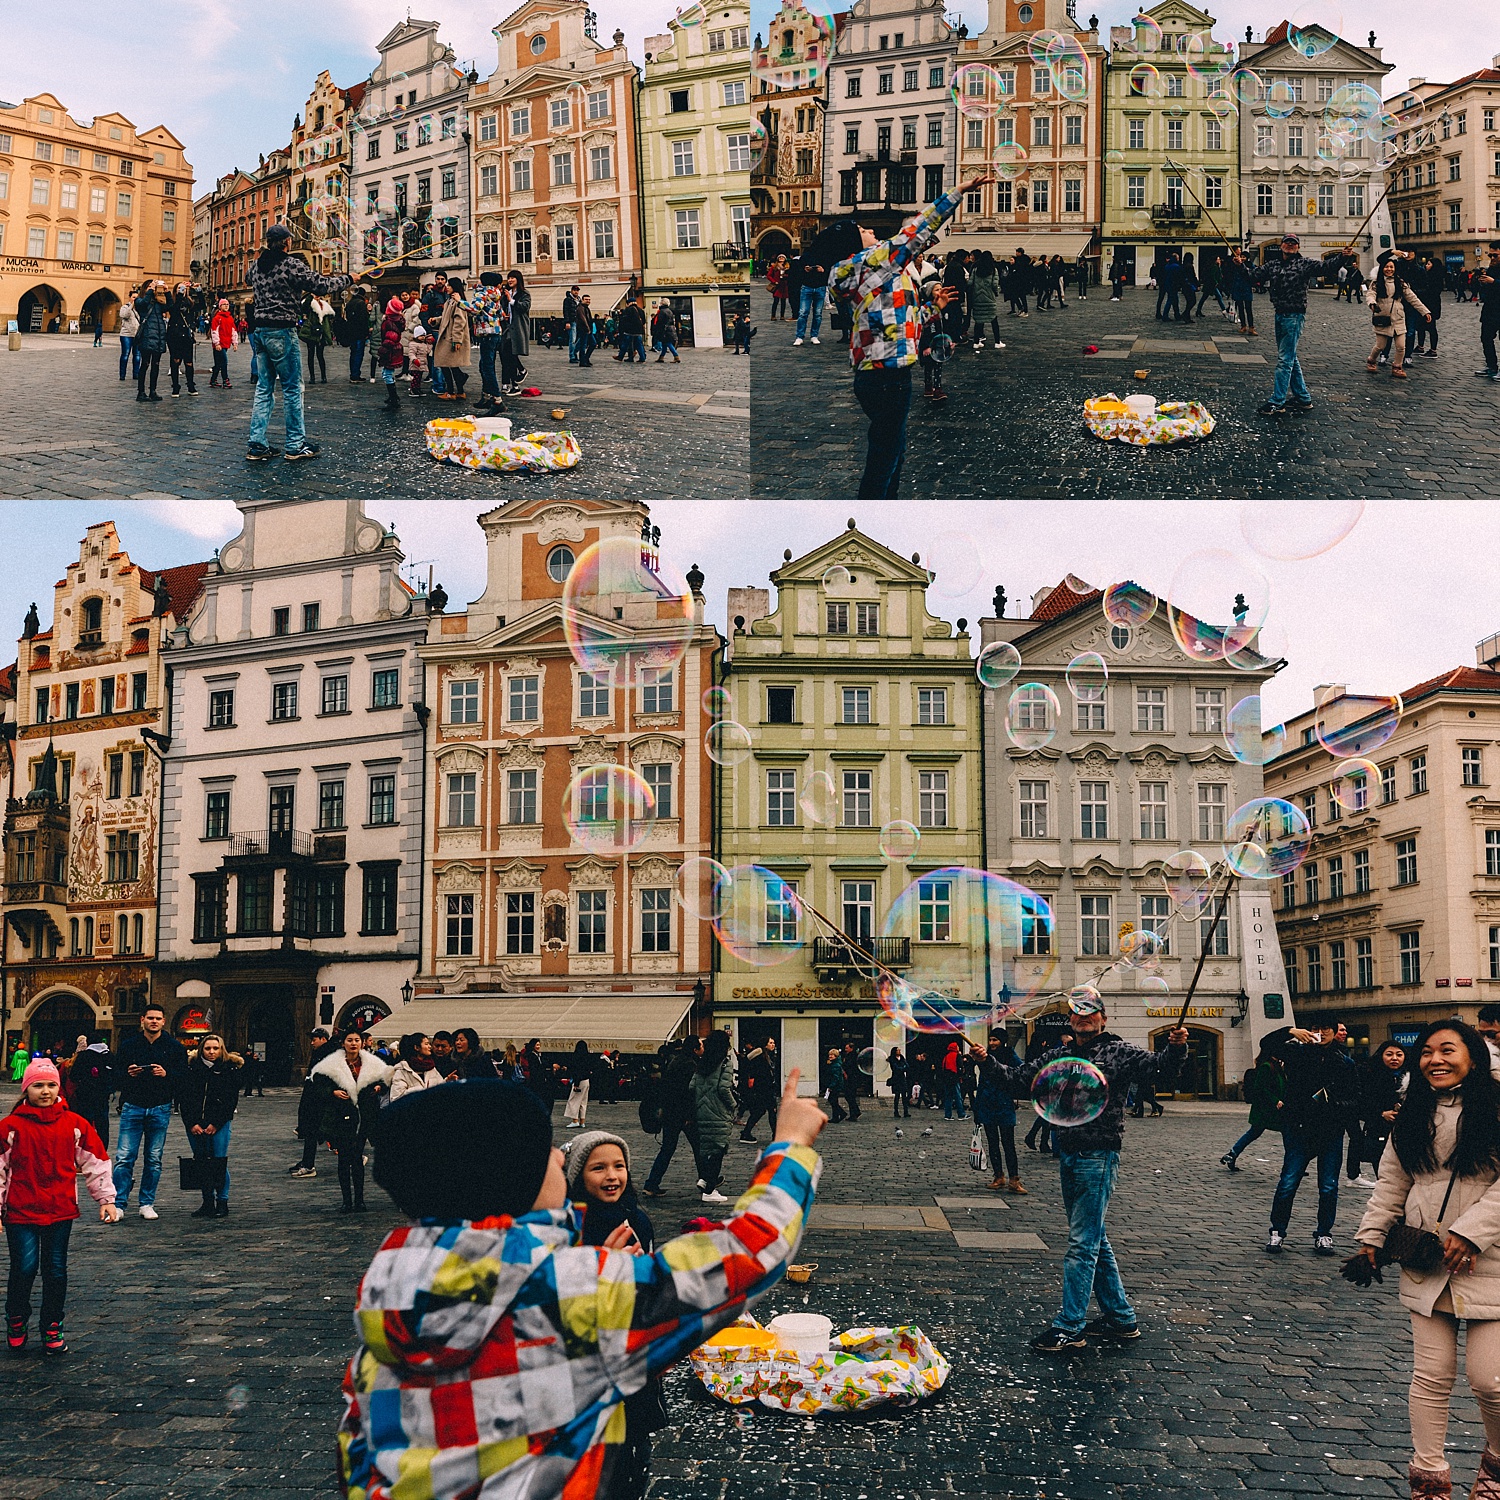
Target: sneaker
1300	405
1365	1182
796	344
147	1212
748	1140
307	450
715	1197
1228	1160
1058	1340
302	1172
998	344
651	1192
222	1211
1270	409
257	453
816	340
1488	374
1120	1333
1274	1241
52	1339
1323	1245
15	1334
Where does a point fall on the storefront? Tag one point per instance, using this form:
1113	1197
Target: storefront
40	295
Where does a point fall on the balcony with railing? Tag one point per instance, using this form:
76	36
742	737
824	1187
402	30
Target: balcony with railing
270	843
1175	213
843	955
732	252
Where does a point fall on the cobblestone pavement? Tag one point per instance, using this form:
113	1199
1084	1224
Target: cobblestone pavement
74	431
1253	1374
1013	423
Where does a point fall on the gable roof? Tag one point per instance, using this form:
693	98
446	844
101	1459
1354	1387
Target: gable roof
1063	600
1456	679
182	582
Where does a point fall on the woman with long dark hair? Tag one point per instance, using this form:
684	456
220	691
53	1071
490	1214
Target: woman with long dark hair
473	1061
517	344
1382	1086
151	311
352	1082
713	1113
580	1074
1441	1174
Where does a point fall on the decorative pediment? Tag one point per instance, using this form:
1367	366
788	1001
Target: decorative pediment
590	872
591	750
519	876
1098	874
522	666
1215	755
1095	756
461	671
561	524
653	871
459	877
1033	760
1152	760
521	755
460	758
655	749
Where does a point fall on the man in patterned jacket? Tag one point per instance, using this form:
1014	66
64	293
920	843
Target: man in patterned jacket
496	1351
885	305
1288	279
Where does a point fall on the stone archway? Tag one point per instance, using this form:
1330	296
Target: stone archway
101	309
772	243
1202	1077
58	1020
41	310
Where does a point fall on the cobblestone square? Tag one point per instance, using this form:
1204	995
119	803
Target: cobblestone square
1012	425
206	1356
73	430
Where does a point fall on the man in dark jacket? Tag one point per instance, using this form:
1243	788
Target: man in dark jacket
1287	280
570	317
1320	1104
147	1069
632	330
676	1113
1088	1154
280	280
90	1083
310	1106
763	1075
851	1079
1487	285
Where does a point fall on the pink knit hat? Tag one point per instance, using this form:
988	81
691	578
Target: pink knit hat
40	1070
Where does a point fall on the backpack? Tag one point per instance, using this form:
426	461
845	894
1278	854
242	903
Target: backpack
649	1112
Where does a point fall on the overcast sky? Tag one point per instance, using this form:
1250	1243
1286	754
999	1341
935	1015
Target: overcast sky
228	77
1405	595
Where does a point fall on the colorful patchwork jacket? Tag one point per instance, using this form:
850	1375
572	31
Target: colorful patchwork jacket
496	1354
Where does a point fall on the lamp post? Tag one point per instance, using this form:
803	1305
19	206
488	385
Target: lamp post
1242	1007
406	993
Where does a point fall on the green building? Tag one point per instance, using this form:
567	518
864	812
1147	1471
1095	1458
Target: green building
1171	141
862	712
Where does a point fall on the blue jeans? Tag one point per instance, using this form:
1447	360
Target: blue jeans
127	347
211	1146
1288	370
33	1247
812	300
436	376
884	394
1088	1178
953	1099
1301	1152
137	1121
633	344
489	347
1253	1134
253	339
357	359
572	343
280	359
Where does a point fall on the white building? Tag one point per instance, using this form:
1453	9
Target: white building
291	841
889	132
1291	180
410	160
1127	778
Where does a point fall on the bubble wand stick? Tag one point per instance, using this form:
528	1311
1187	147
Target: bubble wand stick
1218	917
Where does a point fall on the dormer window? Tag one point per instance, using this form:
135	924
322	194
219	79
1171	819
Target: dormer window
91	622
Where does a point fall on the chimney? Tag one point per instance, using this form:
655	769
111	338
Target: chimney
1327	692
1495	61
1415	83
749	605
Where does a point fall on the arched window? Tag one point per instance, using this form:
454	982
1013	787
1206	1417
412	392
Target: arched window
91	619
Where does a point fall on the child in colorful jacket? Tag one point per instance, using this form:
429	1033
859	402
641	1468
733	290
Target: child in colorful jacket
43	1147
496	1350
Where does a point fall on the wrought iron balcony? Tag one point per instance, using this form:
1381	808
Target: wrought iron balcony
1175	213
269	843
732	252
861	955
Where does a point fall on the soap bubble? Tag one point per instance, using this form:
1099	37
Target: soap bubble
956	561
1141	948
398	82
1187	878
1216	602
1353	785
759	919
1031	716
727	743
1086	676
1208	59
699	884
997	664
1009	157
1069	1092
1293	530
1039	43
237	1399
976	91
899	839
1280	100
1128	604
1352	725
819	799
1269	643
836	577
608	808
1114	160
1245	85
758	142
1314	27
716	702
1145	81
625	609
1265	838
980	945
1155	984
1247	742
1146	34
1070	68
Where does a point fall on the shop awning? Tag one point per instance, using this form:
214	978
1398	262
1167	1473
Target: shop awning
604	297
1003	243
630	1021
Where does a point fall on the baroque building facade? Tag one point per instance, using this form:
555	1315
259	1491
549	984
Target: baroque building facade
321	161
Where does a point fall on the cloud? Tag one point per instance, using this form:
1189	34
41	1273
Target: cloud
206	520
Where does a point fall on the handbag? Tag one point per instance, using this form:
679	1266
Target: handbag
979	1156
1416	1249
1380	320
202	1174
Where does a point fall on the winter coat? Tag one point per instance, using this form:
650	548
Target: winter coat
986	294
664	326
1287	280
41	1153
357	319
344	1120
392	341
280	282
1237	283
316	327
182	318
1473	1212
310	1105
713	1106
1381	296
450	350
632	319
221	331
900	1077
433	1396
519	332
151	335
208	1095
90	1080
1121	1064
146	1089
993	1104
129	320
676	1094
1265	1091
405	1079
1322	1087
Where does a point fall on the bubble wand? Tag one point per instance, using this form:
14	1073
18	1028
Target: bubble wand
1187	182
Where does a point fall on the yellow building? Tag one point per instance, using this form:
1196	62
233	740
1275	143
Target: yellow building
695	169
87	212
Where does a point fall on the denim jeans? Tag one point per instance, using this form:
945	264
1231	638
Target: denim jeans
1088	1178
666	347
489	347
633	344
127	346
1288	370
1253	1134
572	343
884	394
137	1121
33	1247
357	359
209	1147
953	1099
253	339
1301	1152
280	359
813	298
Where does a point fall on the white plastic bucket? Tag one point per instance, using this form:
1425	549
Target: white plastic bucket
809	1334
1141	406
498	426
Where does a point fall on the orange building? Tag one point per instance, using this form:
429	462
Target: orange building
539	921
243	206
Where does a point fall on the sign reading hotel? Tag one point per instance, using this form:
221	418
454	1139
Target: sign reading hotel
1264	976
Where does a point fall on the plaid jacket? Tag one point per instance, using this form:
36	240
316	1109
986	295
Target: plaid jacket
886	296
496	1354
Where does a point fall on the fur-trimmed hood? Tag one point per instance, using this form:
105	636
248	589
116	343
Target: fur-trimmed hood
372	1070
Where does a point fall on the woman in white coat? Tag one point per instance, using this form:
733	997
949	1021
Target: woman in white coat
1441	1173
352	1082
414	1070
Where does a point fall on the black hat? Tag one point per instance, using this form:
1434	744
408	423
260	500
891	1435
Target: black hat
277	233
490	278
466	1150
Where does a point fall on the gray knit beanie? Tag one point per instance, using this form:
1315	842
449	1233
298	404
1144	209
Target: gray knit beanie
581	1147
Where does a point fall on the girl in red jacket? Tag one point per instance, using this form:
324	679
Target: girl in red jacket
43	1146
223	335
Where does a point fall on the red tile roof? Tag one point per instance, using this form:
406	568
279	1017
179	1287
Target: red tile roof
1063	600
1279	34
8	681
1456	679
182	584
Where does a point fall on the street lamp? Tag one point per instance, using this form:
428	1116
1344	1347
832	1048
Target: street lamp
1242	1006
406	993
